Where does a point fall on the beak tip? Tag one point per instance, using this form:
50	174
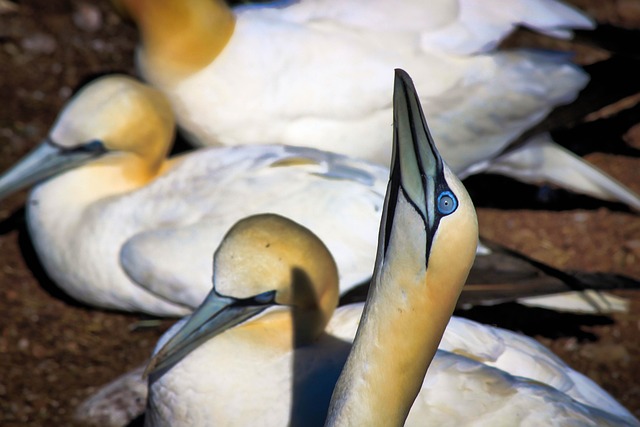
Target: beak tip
402	81
401	74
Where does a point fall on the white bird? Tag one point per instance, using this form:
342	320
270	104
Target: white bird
313	73
255	352
120	226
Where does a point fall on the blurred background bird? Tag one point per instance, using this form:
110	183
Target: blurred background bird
312	73
118	225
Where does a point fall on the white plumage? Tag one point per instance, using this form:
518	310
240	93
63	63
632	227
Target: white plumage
314	73
480	376
184	214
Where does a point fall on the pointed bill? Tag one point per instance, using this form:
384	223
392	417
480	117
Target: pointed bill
44	161
416	165
215	315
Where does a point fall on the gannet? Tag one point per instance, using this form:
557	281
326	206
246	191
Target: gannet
112	223
254	353
313	73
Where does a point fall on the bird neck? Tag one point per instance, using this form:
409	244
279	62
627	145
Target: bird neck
405	316
126	171
180	37
78	189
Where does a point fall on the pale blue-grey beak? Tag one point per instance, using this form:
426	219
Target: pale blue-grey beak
47	160
215	315
417	170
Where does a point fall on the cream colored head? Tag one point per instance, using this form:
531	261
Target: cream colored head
179	37
115	126
264	261
269	252
125	116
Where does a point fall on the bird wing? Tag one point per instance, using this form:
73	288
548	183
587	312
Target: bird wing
521	356
501	275
453	26
460	391
541	160
189	210
476	104
490	372
497	98
481	25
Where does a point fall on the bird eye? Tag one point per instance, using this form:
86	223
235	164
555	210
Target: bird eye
447	203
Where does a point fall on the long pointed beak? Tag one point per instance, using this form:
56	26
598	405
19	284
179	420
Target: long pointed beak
44	161
215	315
416	165
417	158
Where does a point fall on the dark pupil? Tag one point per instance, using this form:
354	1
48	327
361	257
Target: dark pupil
446	204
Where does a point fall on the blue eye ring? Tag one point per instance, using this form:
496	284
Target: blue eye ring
447	203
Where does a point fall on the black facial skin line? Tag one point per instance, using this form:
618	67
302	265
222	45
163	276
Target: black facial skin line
95	147
266	298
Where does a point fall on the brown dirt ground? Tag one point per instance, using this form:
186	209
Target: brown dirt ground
54	352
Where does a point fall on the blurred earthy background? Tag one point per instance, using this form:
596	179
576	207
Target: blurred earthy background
55	352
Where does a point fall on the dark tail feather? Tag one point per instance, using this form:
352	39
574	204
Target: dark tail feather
506	275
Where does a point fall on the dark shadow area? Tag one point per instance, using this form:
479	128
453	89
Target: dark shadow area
15	221
536	321
356	294
137	422
601	136
313	381
501	192
181	144
610	80
612	38
316	366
